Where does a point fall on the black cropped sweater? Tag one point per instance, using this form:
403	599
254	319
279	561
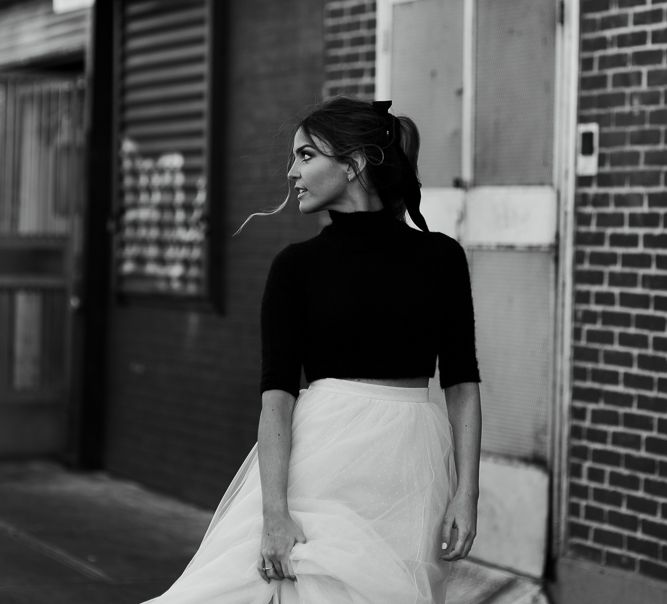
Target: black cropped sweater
369	297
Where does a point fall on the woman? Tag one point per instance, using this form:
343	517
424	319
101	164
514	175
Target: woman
359	489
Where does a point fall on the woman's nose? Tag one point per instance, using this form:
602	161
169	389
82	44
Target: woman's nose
293	173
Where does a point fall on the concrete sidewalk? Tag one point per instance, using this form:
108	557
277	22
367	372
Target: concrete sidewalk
86	538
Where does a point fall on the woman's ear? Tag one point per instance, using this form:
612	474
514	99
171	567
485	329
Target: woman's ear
356	166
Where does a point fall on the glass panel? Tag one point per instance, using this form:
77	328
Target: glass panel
514	311
427	82
514	108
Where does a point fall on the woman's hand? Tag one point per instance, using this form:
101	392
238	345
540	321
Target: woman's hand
279	535
459	526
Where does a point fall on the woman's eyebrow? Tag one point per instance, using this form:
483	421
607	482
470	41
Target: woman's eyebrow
302	147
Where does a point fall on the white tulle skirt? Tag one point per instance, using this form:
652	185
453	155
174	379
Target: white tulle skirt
371	474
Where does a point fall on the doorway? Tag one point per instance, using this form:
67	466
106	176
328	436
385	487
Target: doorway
41	203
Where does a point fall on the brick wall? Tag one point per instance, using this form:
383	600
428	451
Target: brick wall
618	447
349	41
184	385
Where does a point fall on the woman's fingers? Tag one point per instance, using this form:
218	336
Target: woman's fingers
278	569
461	548
261	569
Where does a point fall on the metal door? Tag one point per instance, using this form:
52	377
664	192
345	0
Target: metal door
41	186
478	76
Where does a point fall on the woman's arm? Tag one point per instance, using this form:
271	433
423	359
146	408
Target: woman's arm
465	416
274	444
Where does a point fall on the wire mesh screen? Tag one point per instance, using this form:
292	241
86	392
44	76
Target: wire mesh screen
514	310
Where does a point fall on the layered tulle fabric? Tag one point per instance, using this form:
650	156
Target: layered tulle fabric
371	474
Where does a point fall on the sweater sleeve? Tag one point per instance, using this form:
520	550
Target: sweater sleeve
282	316
457	357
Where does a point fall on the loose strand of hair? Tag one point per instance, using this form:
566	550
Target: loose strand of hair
265	213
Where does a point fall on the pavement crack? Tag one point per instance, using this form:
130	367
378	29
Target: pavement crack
55	553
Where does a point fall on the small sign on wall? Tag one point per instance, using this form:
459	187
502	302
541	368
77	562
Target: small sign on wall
588	136
66	6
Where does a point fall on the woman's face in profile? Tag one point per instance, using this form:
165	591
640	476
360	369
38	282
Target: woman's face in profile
320	181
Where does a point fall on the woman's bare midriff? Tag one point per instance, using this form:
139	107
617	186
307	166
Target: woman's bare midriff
418	382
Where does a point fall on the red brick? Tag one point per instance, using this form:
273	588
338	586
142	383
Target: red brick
623	240
654	15
599	336
638	381
654	487
658	446
657	530
642	546
650	322
593	44
605	416
605	298
623	521
633	340
647	220
656	77
639	463
613	61
595	513
614	357
659	36
655	158
591	395
622	279
646	57
586	354
658	117
653	569
594	82
616	319
657	404
630	300
579	530
626	440
660	343
616	398
630	118
645	137
606	457
634	38
629	79
641	505
644	178
610	538
638	421
645	97
636	260
652	363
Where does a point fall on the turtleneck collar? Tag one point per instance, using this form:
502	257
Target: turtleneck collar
364	223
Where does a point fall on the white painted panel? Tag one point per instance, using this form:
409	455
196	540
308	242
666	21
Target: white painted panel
521	216
512	515
514	313
493	216
425	80
442	209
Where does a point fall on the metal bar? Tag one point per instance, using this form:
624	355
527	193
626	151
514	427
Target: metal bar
468	101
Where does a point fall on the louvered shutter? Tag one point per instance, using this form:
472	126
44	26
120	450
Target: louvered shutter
160	244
